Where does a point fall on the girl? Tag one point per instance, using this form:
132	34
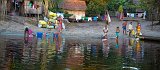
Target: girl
117	32
138	29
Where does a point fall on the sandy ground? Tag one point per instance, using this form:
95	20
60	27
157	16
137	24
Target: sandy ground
76	30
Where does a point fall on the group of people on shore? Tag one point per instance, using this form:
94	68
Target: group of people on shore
130	31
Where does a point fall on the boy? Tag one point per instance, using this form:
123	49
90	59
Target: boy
124	27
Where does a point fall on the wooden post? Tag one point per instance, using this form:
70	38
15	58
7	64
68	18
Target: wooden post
37	11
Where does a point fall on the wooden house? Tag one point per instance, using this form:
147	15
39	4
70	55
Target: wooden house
35	8
24	6
75	7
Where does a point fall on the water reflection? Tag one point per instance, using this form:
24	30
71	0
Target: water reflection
54	52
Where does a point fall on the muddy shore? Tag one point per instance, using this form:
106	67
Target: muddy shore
89	30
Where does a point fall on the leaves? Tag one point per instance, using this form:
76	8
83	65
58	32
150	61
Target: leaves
96	7
120	9
54	6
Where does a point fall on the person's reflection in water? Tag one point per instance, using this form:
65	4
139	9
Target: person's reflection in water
130	47
117	44
124	47
105	46
9	54
28	41
75	57
58	41
93	50
138	51
13	55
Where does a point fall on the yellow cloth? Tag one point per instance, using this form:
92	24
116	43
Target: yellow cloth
133	32
52	14
42	22
138	31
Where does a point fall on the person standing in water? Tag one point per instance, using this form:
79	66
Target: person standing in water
130	27
138	29
124	27
117	35
117	32
105	30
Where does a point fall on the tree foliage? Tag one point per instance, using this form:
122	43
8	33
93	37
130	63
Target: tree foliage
54	6
151	6
96	7
113	5
120	9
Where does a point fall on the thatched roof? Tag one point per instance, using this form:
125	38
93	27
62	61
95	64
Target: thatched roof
73	5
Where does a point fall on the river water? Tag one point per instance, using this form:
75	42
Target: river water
78	54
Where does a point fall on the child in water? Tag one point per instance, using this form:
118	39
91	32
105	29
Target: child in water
124	27
117	32
138	29
130	27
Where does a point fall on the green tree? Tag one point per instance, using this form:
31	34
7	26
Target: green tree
151	6
55	7
96	7
120	9
113	5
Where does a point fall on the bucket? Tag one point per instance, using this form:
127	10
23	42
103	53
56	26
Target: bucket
39	35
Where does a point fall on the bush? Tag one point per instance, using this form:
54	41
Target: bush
67	15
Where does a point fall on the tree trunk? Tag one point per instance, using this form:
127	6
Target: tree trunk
3	9
46	7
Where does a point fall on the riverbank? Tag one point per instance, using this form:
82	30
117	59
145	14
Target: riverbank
87	30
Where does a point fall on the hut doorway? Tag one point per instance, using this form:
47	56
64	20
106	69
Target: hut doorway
16	7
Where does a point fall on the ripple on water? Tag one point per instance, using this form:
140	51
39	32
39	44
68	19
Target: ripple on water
75	54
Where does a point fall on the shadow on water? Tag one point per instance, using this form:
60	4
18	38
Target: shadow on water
59	53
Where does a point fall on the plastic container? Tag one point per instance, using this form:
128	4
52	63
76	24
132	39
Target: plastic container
39	35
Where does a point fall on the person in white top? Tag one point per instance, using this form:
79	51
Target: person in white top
130	27
105	30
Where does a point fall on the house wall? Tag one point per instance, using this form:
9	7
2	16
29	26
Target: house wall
77	14
8	6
